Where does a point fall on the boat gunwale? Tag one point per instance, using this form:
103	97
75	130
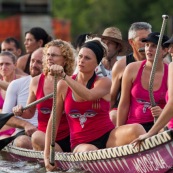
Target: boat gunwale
101	154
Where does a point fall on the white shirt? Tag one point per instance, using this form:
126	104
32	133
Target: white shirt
101	71
17	94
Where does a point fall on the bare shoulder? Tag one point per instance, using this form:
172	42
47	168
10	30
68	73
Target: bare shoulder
119	65
23	58
62	89
133	68
134	64
21	61
171	65
35	80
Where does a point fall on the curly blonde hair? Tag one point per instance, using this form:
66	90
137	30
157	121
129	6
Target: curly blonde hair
68	52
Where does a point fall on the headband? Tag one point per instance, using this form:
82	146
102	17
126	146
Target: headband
96	48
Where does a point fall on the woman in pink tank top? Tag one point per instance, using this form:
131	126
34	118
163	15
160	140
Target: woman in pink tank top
57	52
166	114
135	106
86	98
7	74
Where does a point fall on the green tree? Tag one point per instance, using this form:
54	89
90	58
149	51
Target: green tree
95	15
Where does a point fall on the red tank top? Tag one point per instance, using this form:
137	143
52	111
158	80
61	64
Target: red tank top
44	110
88	120
140	102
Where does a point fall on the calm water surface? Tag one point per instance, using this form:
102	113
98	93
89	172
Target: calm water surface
9	164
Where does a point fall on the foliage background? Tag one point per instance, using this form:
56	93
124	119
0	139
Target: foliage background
93	16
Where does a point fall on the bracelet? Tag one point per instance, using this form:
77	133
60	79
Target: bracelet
64	76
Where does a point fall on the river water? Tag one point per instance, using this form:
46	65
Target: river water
11	164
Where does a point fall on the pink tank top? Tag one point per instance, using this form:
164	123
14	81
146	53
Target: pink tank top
88	120
140	102
170	124
44	110
1	99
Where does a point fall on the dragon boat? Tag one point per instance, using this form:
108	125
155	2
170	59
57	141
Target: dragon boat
155	156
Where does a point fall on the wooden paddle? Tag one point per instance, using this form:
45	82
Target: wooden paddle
4	142
52	147
151	81
6	116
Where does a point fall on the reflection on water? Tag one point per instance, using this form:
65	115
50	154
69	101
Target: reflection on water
9	164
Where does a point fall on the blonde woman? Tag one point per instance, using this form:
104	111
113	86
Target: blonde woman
55	52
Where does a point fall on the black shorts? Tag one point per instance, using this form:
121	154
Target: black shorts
147	126
65	144
100	143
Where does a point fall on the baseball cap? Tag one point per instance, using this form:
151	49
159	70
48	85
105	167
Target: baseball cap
167	43
154	38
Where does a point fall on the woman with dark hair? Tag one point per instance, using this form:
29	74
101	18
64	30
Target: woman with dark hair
34	38
85	99
80	40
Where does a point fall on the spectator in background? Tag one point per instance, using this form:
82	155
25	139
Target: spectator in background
80	40
12	45
137	32
34	38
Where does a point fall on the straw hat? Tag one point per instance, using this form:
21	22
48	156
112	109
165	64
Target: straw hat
114	34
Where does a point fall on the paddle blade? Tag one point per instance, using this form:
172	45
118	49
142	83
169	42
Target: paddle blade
4	118
4	142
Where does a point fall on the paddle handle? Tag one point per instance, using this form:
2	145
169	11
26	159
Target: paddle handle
151	81
38	101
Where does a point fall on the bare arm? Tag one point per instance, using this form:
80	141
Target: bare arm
124	105
61	90
117	73
90	94
4	85
167	112
101	87
22	124
29	113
